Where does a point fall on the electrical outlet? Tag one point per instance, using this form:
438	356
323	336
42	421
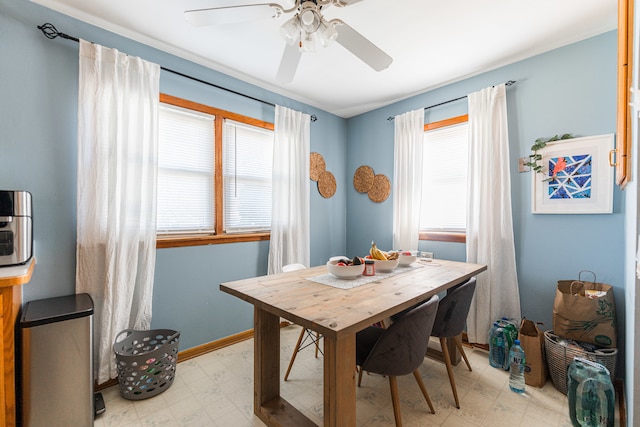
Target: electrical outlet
521	164
427	255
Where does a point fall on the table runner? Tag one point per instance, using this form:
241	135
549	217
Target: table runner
328	279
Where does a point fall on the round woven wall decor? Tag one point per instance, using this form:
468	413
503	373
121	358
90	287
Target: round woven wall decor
326	184
381	188
363	179
317	165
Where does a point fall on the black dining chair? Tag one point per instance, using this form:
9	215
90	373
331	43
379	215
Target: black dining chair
399	349
450	322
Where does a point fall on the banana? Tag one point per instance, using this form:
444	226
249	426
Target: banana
373	251
382	254
377	253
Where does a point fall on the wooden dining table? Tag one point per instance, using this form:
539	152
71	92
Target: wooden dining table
337	314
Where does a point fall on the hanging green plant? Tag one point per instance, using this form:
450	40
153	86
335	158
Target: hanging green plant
539	144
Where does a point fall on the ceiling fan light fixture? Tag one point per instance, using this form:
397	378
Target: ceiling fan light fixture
290	30
327	33
308	42
309	17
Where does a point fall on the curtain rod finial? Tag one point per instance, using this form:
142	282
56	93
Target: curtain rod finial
48	30
51	32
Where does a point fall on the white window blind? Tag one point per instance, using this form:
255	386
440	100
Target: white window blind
186	170
444	187
247	167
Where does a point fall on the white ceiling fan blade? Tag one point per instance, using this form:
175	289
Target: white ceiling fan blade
361	47
344	3
289	63
231	14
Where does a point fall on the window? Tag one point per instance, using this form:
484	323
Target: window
186	171
248	158
444	180
214	175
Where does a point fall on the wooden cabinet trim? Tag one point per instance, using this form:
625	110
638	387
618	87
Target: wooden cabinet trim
17	275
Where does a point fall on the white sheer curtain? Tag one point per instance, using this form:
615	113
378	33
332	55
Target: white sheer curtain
489	220
408	145
290	190
116	205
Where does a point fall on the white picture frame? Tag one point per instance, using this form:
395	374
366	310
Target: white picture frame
584	178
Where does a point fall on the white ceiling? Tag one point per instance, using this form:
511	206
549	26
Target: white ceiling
432	42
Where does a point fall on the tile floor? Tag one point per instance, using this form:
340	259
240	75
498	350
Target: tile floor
216	389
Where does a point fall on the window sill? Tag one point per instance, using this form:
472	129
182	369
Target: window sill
179	241
444	236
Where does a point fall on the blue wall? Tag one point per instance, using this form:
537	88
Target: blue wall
571	89
567	90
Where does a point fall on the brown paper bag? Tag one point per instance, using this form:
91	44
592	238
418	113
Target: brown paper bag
532	342
585	311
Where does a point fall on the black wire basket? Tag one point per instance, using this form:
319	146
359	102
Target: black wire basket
146	361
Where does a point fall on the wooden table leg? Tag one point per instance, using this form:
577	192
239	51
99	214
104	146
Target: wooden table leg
266	369
268	405
340	381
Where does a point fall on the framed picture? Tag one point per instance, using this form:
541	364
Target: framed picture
578	178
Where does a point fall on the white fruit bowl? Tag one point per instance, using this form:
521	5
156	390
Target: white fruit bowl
384	266
344	271
407	258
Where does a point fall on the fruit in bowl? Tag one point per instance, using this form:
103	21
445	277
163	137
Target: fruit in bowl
375	253
385	261
384	265
407	257
345	268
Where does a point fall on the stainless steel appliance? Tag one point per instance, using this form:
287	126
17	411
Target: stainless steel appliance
56	381
16	227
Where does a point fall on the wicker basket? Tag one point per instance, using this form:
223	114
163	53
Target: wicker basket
560	356
146	361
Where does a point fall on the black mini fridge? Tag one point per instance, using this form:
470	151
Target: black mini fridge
56	372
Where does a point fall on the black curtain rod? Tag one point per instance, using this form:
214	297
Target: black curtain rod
51	32
509	83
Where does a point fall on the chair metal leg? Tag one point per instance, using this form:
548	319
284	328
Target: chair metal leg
447	362
456	339
295	353
416	374
393	385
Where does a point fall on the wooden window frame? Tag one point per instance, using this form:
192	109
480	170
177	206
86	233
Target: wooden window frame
623	148
445	236
220	237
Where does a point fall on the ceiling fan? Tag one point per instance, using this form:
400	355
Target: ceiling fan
302	31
